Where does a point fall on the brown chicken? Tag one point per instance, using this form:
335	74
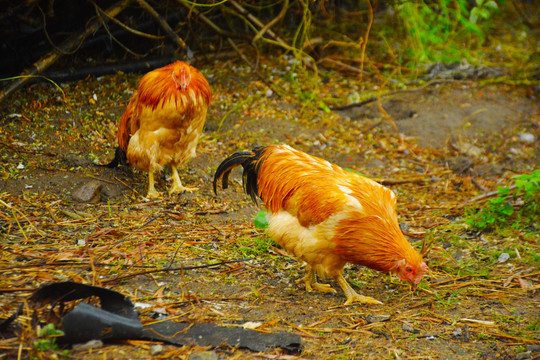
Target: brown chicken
163	122
326	216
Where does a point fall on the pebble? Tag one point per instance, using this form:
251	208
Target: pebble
526	137
156	349
409	328
92	344
203	355
377	318
89	192
503	257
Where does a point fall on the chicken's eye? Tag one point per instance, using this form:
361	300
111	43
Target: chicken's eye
408	269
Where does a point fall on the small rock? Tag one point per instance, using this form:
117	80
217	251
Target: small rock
377	318
156	349
471	150
203	355
460	165
269	93
503	257
251	324
404	227
526	137
89	192
409	328
533	348
74	160
141	305
458	332
92	344
525	355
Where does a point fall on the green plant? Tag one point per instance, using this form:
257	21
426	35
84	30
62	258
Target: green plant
260	220
47	339
482	10
448	300
254	247
515	206
437	31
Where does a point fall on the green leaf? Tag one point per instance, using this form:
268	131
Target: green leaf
356	172
260	220
491	5
324	107
507	210
484	13
473	18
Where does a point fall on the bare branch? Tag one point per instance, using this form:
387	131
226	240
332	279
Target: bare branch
67	46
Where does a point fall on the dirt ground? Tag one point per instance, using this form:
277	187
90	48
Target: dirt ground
458	140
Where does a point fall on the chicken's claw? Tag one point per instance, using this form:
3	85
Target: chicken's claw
177	186
353	296
356	298
175	189
153	195
325	288
310	280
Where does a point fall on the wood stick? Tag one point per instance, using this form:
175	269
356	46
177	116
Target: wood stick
71	43
209	22
273	21
231	42
488	195
257	22
170	32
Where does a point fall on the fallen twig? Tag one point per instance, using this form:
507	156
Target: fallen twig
166	269
390	93
487	195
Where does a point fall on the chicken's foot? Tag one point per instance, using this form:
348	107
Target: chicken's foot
310	280
152	193
353	296
177	186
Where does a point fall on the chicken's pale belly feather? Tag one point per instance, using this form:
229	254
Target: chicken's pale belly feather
166	136
312	244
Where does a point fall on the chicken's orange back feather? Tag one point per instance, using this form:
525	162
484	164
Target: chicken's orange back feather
366	230
157	88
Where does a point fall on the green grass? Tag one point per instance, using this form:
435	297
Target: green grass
516	206
442	31
253	247
46	343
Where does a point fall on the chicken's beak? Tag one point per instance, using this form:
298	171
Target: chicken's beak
413	285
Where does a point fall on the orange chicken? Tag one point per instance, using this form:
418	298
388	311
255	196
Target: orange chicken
163	122
326	216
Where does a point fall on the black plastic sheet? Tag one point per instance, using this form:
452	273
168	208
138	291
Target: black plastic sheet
117	319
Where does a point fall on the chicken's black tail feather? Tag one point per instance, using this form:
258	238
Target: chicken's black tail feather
250	161
119	159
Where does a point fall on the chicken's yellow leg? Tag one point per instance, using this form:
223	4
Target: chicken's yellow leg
351	295
152	193
310	279
177	186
